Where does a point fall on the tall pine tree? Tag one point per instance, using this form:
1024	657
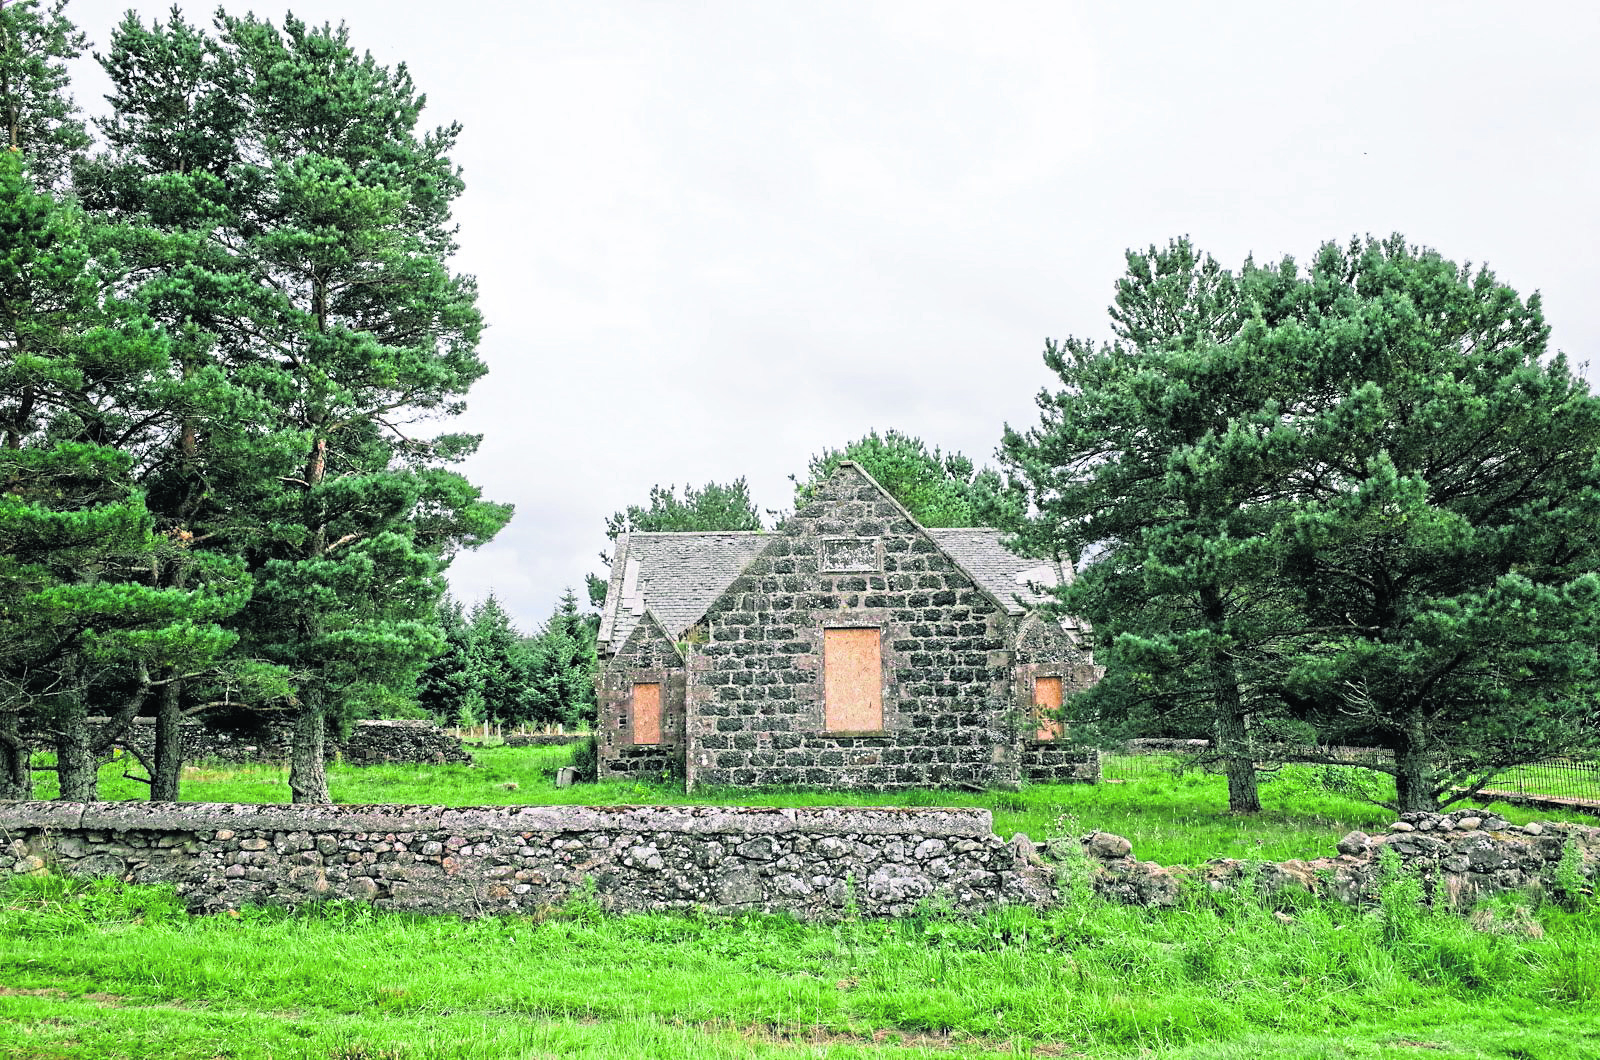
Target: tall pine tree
1165	453
40	119
304	224
84	388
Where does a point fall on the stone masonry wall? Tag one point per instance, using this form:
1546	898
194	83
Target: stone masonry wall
648	655
852	558
813	862
1461	857
369	742
1044	649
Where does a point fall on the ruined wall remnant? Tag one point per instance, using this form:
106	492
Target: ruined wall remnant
1461	857
812	862
408	741
543	739
369	743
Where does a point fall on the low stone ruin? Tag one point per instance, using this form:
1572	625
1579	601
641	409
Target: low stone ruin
369	743
1461	857
374	742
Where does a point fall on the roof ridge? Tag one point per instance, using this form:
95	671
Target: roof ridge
696	533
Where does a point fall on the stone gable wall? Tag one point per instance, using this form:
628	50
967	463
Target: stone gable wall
813	862
648	655
755	699
1044	649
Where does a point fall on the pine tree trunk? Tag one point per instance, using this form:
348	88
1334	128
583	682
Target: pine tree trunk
308	772
1233	738
167	769
1233	743
16	774
1415	787
75	761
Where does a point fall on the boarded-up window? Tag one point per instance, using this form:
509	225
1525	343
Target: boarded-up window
852	680
647	713
1046	704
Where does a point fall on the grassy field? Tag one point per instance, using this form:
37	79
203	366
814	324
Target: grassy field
104	970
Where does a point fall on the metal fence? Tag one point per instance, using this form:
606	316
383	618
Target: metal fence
487	732
1561	780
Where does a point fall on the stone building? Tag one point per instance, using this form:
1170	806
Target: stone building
850	648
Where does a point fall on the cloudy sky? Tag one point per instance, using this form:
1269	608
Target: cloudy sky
715	238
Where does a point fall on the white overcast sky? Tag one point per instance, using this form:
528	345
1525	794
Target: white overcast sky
715	238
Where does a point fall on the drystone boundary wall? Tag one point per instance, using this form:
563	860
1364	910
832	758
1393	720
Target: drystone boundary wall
1044	762
1461	857
369	743
812	862
815	862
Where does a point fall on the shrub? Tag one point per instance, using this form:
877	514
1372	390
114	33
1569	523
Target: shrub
586	758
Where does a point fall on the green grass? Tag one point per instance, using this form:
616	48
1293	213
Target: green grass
106	970
103	970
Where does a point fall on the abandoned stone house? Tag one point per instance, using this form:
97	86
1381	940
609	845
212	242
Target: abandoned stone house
851	648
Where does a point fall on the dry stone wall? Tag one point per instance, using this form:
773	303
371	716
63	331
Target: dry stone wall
1051	762
369	743
543	739
812	862
374	742
1461	857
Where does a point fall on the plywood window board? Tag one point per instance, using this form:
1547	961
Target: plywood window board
852	680
646	713
1046	702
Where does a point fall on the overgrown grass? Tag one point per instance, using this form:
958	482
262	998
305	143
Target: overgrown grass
100	969
107	970
1171	819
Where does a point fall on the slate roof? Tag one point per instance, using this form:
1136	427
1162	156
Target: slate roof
1004	574
677	576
